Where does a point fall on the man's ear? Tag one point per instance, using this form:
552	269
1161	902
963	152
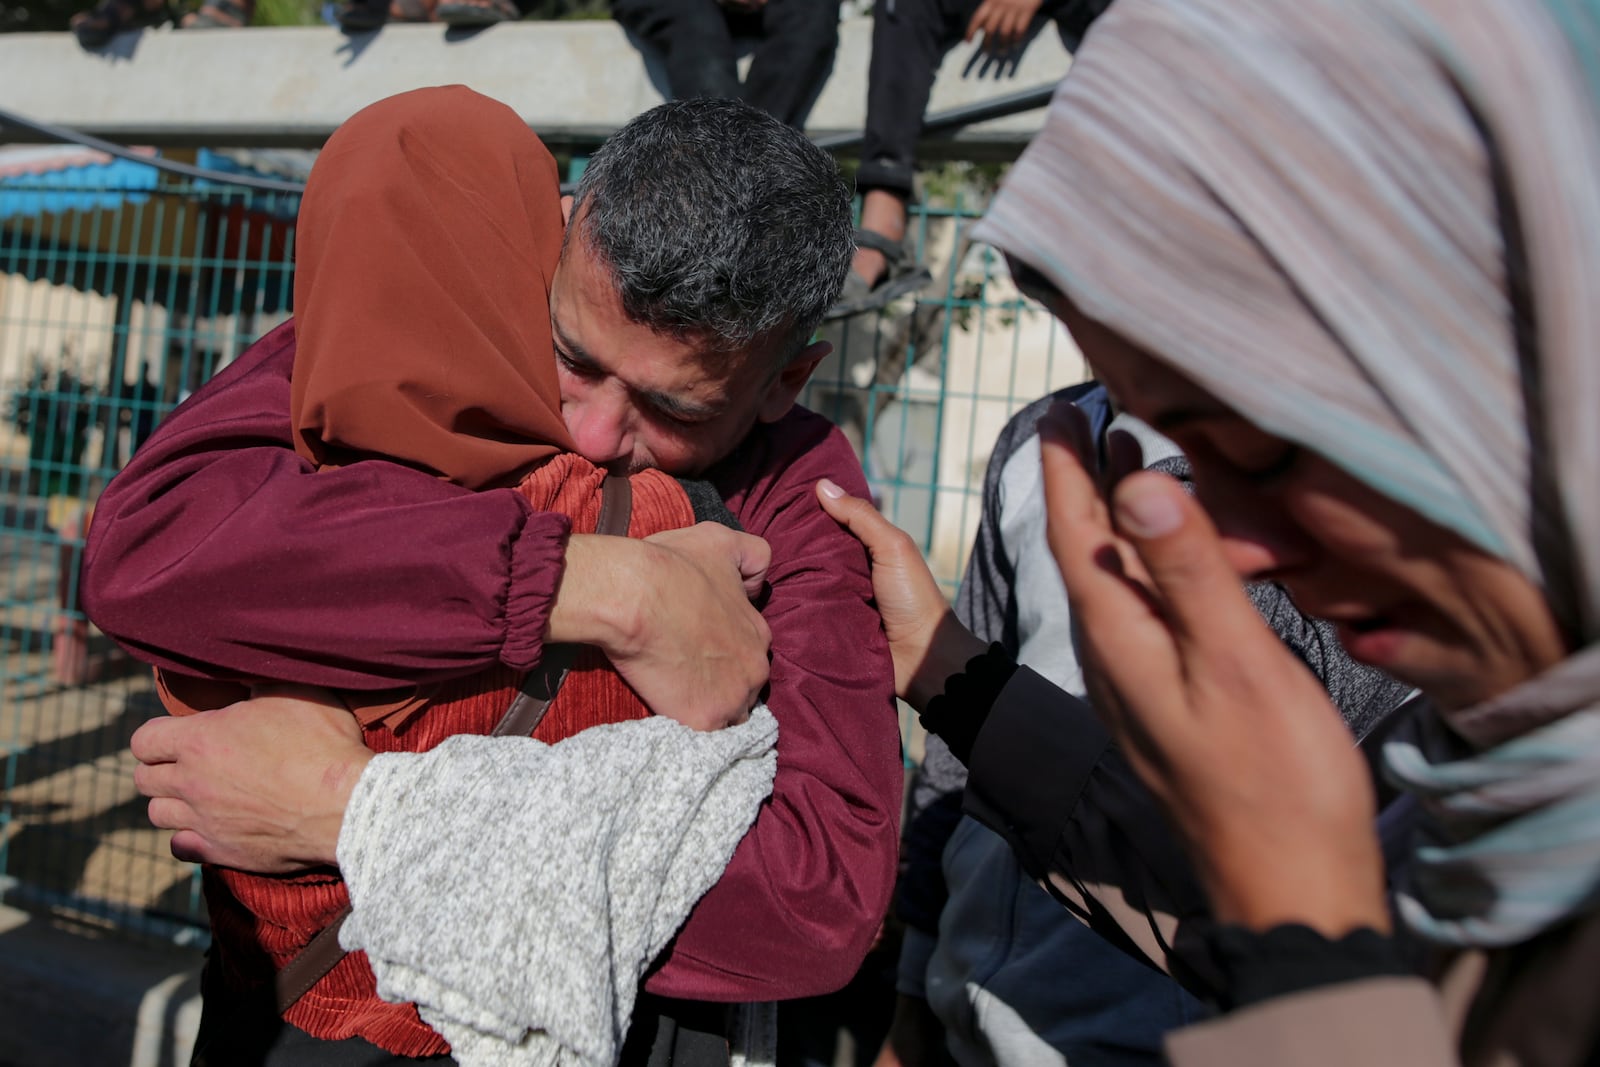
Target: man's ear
566	210
785	388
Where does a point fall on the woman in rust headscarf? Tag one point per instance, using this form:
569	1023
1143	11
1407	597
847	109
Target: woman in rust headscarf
428	237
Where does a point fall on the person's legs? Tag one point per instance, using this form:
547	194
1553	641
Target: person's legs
884	212
798	41
693	38
909	38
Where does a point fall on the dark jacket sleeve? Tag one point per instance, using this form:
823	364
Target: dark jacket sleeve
1045	776
806	891
219	552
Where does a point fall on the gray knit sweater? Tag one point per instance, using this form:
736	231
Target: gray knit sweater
516	891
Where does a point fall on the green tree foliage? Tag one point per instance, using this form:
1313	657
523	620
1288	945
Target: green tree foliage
287	13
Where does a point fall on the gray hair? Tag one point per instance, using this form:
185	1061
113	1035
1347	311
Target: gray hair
719	223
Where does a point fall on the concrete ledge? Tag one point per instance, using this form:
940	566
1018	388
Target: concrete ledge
71	996
574	82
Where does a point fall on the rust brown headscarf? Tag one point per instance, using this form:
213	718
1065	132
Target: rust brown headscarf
429	233
428	236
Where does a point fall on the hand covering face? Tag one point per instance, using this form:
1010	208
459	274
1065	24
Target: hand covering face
1371	227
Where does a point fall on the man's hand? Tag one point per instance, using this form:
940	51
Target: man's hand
1003	23
1232	733
927	641
673	613
260	785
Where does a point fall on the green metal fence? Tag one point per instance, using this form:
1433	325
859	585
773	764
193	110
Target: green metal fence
119	298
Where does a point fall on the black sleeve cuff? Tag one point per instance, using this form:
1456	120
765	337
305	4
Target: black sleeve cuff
957	714
1029	765
1259	965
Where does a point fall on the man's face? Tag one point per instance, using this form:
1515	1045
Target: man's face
633	398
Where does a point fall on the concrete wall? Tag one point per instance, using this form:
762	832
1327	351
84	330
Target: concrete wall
572	81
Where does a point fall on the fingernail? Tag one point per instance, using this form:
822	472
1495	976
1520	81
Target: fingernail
1148	510
829	490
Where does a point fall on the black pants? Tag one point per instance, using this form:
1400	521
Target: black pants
909	41
797	41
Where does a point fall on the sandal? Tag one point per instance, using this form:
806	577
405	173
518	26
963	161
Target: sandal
900	276
477	12
220	15
96	28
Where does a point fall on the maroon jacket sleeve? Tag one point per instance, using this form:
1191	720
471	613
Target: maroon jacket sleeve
219	552
806	890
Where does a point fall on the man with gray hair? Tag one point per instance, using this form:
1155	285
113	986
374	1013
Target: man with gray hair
705	242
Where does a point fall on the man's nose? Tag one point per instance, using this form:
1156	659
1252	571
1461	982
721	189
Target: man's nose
601	428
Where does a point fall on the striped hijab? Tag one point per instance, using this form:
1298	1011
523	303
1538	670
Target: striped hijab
1373	228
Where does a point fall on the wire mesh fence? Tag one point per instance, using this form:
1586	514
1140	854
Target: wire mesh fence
120	297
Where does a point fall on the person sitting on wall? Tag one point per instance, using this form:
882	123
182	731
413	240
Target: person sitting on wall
796	39
909	40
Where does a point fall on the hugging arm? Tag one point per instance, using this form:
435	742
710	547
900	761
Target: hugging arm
220	552
806	889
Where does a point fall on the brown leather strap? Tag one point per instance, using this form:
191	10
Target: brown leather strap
540	685
616	506
315	960
538	692
533	699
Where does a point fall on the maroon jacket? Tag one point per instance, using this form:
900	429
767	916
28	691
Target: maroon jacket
216	553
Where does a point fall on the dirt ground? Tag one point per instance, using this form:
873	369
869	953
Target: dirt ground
73	833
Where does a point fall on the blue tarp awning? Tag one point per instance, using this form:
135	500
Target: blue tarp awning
50	179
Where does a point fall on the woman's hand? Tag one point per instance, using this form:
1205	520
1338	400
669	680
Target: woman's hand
1232	734
927	641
